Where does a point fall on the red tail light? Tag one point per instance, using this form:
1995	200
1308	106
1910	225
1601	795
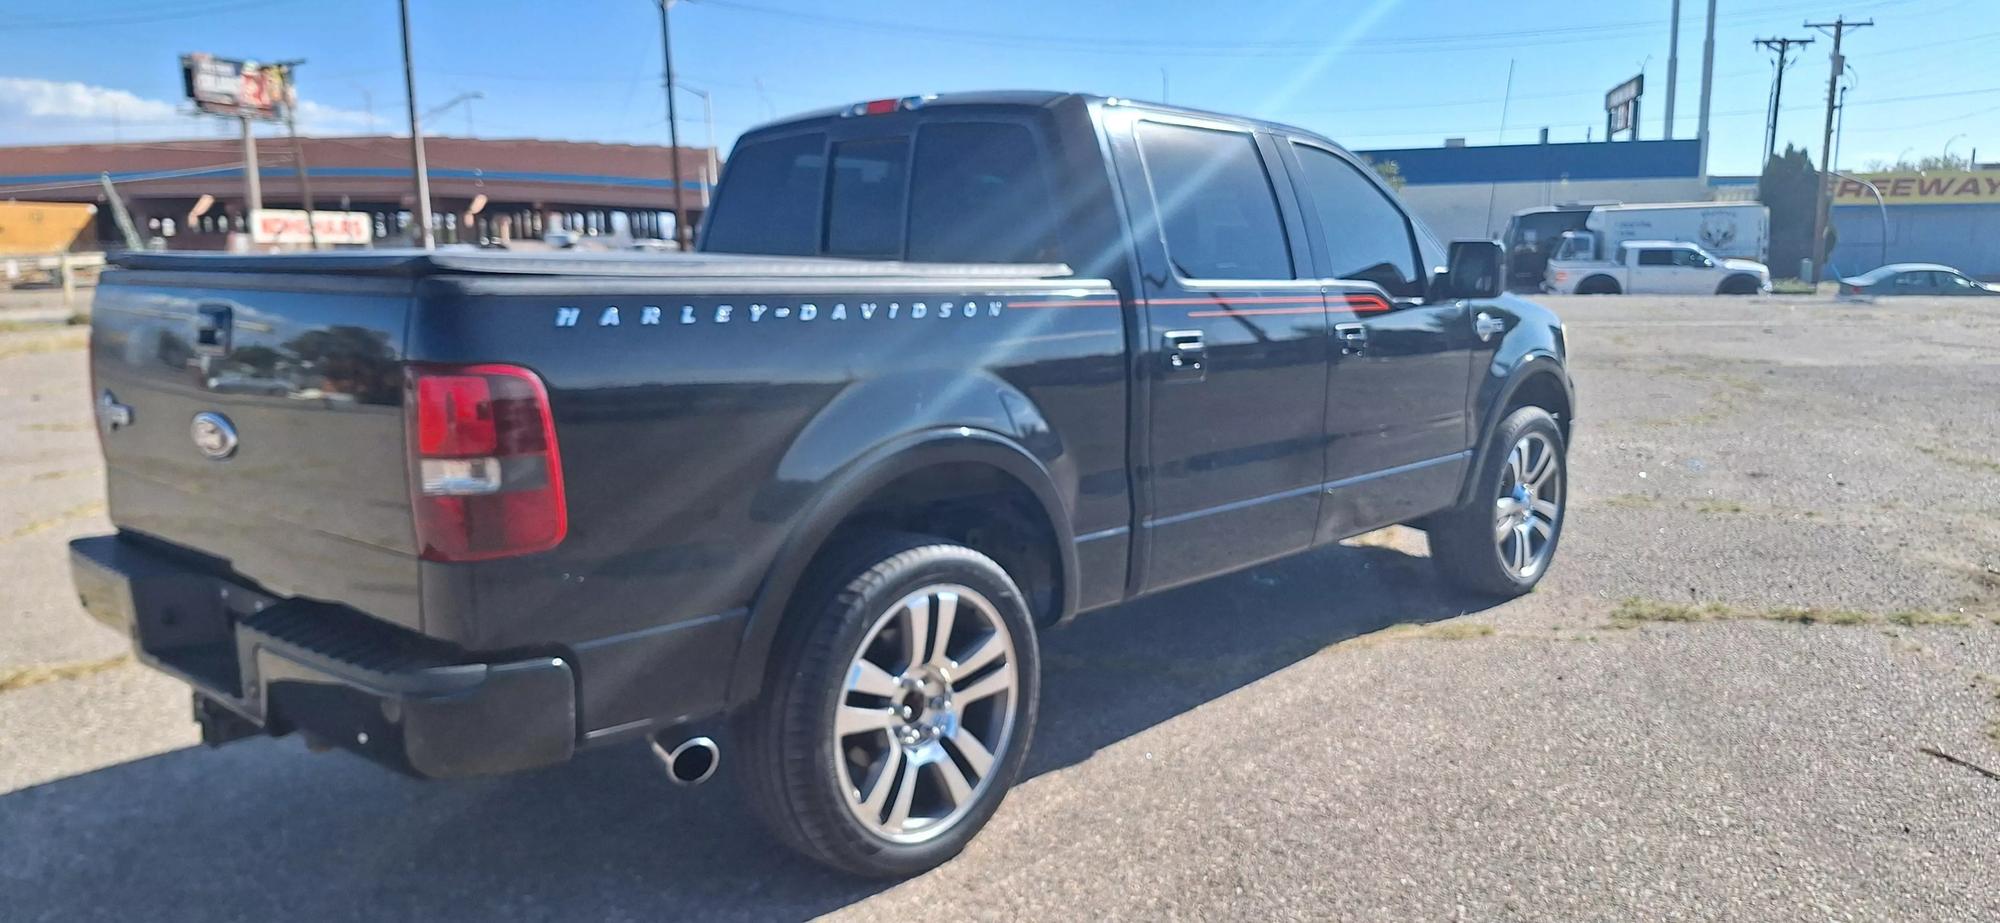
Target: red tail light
485	472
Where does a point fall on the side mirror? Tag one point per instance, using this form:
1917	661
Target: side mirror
1472	269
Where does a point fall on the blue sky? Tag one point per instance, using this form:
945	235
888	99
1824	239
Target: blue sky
1370	73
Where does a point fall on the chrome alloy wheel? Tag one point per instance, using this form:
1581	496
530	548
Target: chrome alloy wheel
928	705
1529	506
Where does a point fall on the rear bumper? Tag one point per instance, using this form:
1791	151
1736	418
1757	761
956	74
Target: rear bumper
282	665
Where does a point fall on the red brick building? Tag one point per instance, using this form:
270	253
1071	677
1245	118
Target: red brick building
480	189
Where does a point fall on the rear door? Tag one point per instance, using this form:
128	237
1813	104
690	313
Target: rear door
1396	418
1653	270
257	418
1233	354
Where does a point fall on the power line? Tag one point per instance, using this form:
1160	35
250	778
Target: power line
140	17
1822	202
1783	46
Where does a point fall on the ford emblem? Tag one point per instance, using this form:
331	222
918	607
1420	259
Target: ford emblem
214	435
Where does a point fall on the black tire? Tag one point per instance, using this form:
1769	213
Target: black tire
1598	285
1738	285
792	773
1463	540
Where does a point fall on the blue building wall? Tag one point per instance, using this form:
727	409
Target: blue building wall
1962	236
1539	163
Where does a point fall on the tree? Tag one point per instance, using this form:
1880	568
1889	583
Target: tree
1789	188
1922	164
1390	171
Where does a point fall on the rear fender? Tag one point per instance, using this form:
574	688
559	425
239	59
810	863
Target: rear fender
844	456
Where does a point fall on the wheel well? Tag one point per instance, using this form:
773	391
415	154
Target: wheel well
978	506
1600	281
1544	391
1738	284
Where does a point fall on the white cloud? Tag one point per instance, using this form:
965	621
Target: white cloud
36	111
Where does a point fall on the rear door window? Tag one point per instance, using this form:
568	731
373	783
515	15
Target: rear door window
771	203
865	201
1216	203
979	194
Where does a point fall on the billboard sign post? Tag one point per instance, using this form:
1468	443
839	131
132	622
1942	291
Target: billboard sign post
246	91
1621	107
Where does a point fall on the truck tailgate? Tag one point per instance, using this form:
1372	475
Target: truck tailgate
257	418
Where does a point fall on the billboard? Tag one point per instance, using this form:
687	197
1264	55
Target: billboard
245	89
1929	187
288	226
1621	107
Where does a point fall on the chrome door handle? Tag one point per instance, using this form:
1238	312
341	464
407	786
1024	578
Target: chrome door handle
1353	338
1486	325
1184	351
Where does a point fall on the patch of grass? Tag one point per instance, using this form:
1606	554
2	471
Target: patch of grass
1720	506
70	338
1792	287
64	427
1807	615
1914	618
76	512
1634	611
1971	462
1630	501
1417	631
39	673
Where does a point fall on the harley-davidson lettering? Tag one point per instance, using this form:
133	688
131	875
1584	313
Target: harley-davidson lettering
758	313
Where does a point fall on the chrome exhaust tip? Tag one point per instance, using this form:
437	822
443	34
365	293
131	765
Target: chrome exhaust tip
690	762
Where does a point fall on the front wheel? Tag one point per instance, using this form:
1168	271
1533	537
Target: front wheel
902	698
1501	541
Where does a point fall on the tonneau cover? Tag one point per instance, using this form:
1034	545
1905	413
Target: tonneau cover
414	263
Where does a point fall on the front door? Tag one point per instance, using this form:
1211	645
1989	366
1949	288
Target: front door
1397	421
1233	350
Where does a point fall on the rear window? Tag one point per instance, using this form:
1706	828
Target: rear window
770	204
1216	203
864	207
979	195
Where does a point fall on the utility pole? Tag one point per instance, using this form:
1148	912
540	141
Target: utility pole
1823	203
423	174
253	184
1707	86
291	103
1673	67
1783	46
682	239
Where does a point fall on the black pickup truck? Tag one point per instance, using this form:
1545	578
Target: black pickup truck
948	372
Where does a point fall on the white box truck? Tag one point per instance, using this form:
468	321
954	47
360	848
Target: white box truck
1730	230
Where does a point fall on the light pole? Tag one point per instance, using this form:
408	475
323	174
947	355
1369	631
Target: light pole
1880	207
1945	155
422	172
708	125
681	237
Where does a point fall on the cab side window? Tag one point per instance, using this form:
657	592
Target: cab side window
1367	237
1691	258
1216	203
1656	257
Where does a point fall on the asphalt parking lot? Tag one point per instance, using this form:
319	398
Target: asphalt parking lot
1762	682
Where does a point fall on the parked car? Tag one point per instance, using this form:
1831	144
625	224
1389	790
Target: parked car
1650	267
1915	279
952	371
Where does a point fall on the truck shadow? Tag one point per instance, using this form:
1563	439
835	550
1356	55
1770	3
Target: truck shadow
262	830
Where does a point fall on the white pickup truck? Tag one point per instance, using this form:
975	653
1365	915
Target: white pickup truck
1649	267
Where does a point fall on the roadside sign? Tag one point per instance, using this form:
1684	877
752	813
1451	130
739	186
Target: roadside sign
245	89
288	226
1621	107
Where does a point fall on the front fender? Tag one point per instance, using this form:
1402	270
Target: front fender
840	491
1535	349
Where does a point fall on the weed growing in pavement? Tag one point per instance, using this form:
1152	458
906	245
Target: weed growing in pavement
1634	611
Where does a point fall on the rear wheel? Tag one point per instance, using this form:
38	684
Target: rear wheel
1502	540
903	696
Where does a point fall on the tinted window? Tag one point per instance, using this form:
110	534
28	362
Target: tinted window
771	202
1656	257
1691	258
864	206
1367	238
1216	204
978	194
